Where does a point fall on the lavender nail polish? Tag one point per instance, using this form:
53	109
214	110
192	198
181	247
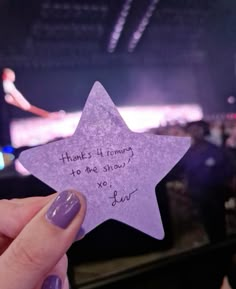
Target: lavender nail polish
64	208
52	282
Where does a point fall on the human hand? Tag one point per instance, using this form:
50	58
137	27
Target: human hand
35	233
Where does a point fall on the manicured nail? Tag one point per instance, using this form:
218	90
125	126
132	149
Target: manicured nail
52	282
64	208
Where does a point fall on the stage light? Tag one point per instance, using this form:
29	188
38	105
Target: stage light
138	118
64	10
5	160
138	33
2	164
119	26
231	99
8	149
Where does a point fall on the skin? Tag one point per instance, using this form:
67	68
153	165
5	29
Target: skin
10	74
27	242
18	100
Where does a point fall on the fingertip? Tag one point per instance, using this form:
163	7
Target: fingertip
52	282
80	235
82	199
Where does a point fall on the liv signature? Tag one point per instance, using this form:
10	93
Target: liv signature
116	199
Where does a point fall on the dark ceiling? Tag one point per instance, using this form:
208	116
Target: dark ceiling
56	33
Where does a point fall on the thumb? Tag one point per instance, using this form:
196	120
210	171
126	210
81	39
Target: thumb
42	242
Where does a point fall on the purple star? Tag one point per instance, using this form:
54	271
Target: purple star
116	169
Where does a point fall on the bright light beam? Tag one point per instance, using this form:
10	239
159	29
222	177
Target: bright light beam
138	33
119	26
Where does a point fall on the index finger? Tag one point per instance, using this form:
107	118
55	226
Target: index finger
16	213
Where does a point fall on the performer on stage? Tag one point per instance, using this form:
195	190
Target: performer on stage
14	97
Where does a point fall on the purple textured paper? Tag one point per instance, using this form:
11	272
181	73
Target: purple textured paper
116	169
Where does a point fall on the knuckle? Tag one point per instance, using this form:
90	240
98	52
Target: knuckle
26	256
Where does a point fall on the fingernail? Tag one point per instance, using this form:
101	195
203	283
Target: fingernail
52	282
64	208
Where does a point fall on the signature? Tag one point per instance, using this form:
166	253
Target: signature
116	199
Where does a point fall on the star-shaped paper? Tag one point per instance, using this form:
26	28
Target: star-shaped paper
116	169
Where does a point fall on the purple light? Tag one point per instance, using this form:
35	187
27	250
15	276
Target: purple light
231	99
137	35
119	26
35	131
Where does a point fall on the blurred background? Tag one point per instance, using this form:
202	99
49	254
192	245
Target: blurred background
169	66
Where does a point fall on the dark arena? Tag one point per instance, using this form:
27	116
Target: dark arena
118	144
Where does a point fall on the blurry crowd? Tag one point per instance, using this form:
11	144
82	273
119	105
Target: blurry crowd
208	170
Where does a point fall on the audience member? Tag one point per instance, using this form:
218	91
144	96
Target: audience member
208	172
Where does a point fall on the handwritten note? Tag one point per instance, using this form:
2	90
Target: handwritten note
116	169
110	161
